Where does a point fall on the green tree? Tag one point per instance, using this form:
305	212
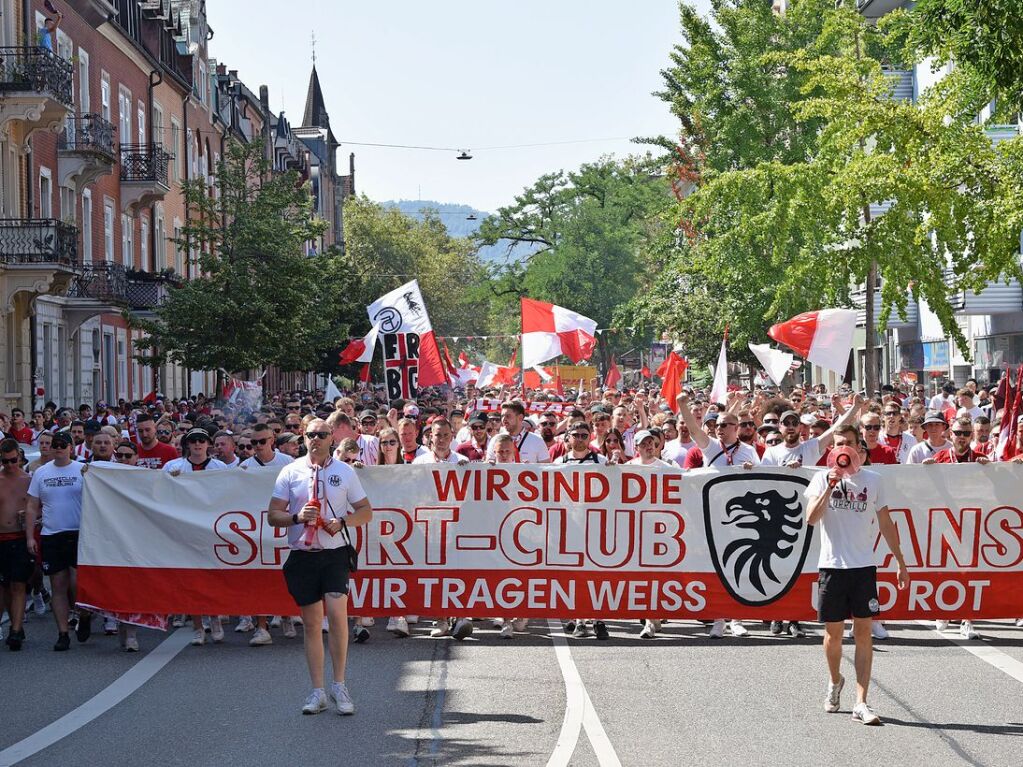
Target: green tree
256	299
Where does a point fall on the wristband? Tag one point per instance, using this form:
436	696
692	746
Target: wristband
294	519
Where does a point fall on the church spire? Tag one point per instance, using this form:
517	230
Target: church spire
315	106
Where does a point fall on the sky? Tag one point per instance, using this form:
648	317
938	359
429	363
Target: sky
460	75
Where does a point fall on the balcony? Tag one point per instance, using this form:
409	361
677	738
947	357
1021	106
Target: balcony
997	297
86	151
95	12
35	92
143	175
37	256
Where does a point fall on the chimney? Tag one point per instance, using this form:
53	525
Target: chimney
264	98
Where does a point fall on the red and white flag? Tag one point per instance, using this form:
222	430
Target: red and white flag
549	331
824	337
360	349
776	363
719	390
614	375
403	312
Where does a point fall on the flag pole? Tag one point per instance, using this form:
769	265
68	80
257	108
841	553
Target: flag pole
522	349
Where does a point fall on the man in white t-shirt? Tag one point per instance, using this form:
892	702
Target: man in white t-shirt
579	451
842	506
725	449
316	571
675	450
264	450
440	445
530	447
793	453
943	400
646	451
55	494
196	446
934	441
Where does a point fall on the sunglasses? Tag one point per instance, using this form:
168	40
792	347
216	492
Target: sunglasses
317	434
611	441
388	442
747	424
124	456
477	428
163	432
789	422
261	441
771	421
892	414
351	460
583	435
872	427
726	425
962	433
774	441
10	461
244	447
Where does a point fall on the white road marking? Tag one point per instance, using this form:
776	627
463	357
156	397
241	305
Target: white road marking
990	655
579	711
99	704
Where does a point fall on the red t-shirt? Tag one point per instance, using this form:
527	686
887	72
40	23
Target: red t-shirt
22	435
156	457
946	456
882	454
557	449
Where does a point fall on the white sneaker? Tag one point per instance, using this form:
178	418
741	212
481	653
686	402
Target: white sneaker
131	643
649	630
260	637
342	699
401	627
737	629
940	625
521	624
275	622
717	629
326	626
412	619
862	713
198	637
462	629
245	625
966	630
1019	623
289	628
497	622
831	702
507	630
216	630
315	703
441	628
109	626
360	634
392	624
878	631
368	622
178	621
38	604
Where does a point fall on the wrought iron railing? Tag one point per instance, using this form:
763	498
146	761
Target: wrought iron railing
36	69
89	133
102	281
144	162
35	241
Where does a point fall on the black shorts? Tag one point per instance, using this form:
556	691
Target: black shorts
844	594
311	574
16	564
60	551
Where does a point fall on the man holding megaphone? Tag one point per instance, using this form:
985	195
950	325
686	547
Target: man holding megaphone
842	504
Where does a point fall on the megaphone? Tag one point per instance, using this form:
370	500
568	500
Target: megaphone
845	460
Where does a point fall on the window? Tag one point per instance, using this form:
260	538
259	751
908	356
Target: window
67	204
179	251
45	193
127	240
84	91
142	123
160	244
144	245
124	111
202	83
122	364
104	96
177	138
158	137
87	225
108	230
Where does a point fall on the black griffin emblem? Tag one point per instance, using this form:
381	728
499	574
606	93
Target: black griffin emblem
757	533
772	524
411	303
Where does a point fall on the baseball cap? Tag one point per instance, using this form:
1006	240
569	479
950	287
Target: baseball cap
477	421
710	417
196	435
285	437
92	426
411	409
642	435
789	413
367	414
808	419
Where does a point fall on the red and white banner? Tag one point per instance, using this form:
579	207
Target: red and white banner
493	405
545	541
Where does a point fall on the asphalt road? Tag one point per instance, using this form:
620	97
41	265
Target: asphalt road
677	699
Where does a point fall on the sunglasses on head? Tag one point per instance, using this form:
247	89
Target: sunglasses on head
317	434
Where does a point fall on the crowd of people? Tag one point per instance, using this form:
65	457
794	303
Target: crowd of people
46	455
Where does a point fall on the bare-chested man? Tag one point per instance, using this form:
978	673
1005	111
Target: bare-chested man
16	564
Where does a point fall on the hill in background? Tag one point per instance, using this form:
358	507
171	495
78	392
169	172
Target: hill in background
455	218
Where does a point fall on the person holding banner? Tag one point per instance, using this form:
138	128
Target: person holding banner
310	497
842	505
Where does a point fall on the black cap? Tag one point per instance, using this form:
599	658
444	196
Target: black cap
92	426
